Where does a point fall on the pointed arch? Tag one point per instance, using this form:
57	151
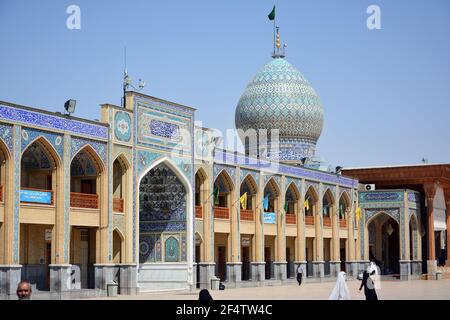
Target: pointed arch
273	185
311	199
329	195
123	160
94	156
344	206
251	183
346	199
293	187
223	174
414	236
198	236
202	173
42	141
292	196
5	157
189	209
380	213
312	192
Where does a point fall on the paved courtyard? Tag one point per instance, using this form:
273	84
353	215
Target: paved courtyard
390	290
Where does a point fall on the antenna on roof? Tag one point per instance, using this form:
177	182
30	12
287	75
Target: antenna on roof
128	82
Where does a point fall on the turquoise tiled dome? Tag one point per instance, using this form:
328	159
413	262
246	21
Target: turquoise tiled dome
279	97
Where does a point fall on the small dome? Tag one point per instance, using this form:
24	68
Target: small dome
279	97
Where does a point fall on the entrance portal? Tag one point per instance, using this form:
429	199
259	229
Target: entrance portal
384	244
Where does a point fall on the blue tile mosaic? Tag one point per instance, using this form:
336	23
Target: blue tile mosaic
47	121
55	140
80	143
6	135
122	126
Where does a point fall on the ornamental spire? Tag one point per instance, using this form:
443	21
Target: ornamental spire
278	50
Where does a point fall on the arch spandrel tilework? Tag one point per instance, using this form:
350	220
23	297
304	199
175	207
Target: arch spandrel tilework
6	136
276	178
315	186
99	147
55	140
297	183
346	191
230	170
245	173
145	160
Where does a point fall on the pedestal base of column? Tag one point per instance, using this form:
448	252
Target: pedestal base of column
258	273
234	275
416	268
362	265
405	269
128	281
207	272
104	275
431	269
318	269
335	268
10	276
61	278
351	268
280	272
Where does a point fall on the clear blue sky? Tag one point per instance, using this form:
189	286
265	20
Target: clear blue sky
386	93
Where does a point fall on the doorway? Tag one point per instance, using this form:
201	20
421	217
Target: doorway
245	263
267	259
197	260
222	262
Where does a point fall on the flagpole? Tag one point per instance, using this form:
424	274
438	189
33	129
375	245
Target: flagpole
274	36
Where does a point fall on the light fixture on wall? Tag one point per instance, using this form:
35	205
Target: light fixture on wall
389	229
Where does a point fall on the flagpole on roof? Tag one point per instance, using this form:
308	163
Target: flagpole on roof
274	36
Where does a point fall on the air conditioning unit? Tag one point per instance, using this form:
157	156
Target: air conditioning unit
369	187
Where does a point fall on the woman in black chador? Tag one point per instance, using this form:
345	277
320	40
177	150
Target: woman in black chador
368	284
205	295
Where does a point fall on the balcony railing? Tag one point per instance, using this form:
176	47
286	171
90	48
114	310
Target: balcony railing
326	221
221	213
309	220
343	223
84	200
291	219
247	215
199	212
1	193
39	199
117	205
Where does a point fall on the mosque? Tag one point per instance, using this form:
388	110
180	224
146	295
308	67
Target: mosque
147	199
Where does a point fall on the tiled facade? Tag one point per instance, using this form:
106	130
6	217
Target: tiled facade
158	247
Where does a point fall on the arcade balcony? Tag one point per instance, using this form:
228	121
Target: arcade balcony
84	200
291	218
221	213
199	212
247	215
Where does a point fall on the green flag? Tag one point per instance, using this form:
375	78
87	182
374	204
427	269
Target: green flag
216	195
272	14
286	207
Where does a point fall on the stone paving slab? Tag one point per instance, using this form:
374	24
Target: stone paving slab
390	290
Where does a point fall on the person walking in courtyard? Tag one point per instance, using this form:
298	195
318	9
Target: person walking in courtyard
205	295
340	291
24	290
368	283
299	274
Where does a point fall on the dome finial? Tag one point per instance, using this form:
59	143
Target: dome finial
279	51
